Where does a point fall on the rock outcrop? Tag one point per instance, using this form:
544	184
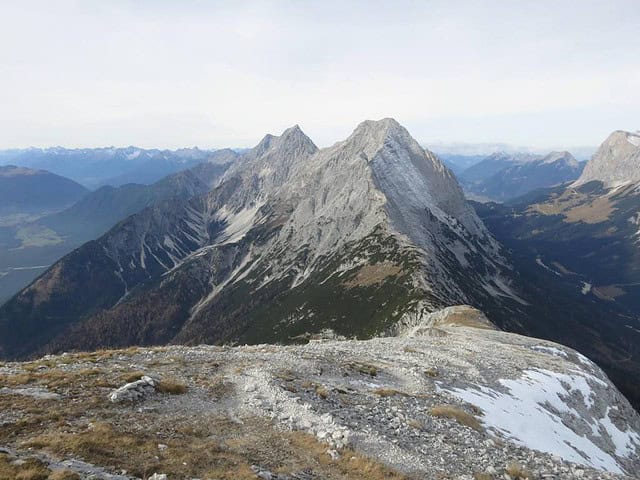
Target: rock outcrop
134	391
616	162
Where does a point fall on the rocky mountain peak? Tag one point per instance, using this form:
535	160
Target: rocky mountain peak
292	141
276	154
371	136
562	157
412	179
264	144
617	161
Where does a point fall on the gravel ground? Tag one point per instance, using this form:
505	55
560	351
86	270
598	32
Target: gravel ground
393	400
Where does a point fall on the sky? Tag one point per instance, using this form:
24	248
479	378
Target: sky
169	74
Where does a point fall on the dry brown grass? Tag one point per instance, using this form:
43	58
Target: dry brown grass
431	372
139	454
286	375
171	386
608	292
482	476
466	317
517	471
577	207
415	424
192	453
31	469
364	368
16	380
63	475
596	211
387	392
351	465
131	377
457	414
322	391
372	274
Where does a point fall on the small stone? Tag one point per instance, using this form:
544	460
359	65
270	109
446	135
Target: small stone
333	454
158	476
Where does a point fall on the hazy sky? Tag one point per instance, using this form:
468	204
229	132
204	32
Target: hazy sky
180	73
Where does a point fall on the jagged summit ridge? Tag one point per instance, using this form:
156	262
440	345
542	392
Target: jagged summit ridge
288	226
616	162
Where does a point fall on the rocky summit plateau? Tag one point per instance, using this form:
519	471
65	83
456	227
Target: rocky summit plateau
449	397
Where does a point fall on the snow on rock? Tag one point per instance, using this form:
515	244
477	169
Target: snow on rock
548	411
549	350
634	139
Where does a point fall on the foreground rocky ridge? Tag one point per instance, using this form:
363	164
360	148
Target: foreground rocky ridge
451	398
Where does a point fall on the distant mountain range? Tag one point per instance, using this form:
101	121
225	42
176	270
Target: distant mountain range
503	176
460	163
29	246
25	190
95	167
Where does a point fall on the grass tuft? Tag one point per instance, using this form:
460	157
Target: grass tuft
364	369
388	392
171	386
517	471
31	469
64	475
457	414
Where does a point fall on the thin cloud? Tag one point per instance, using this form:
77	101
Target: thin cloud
171	74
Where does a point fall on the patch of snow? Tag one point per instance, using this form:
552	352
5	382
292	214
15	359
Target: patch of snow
528	412
633	139
543	265
584	360
551	350
168	242
625	442
635	220
632	328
